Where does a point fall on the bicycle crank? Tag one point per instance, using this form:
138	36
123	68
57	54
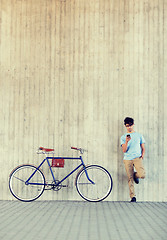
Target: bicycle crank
57	187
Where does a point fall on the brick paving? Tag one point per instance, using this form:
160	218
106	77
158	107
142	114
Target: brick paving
79	220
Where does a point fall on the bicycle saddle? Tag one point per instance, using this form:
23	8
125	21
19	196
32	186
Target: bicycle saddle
46	149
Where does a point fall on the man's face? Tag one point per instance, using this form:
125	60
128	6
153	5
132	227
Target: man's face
129	127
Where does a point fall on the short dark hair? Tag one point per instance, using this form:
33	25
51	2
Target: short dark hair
129	121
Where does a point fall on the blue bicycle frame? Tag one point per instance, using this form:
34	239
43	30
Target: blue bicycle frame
59	182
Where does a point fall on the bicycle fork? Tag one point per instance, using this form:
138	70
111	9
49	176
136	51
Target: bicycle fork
86	171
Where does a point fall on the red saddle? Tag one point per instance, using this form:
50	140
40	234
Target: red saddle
46	149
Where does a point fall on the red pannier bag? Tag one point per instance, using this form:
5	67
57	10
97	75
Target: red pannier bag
58	162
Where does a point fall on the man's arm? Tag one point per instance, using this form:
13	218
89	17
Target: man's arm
142	150
125	146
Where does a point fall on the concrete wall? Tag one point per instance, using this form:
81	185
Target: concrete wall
70	72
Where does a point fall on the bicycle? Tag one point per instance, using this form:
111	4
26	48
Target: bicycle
28	182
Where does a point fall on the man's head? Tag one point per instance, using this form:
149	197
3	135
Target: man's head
129	123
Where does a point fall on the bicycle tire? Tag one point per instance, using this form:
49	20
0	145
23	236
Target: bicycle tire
26	192
94	192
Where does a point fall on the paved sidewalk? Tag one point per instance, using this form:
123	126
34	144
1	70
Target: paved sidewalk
70	220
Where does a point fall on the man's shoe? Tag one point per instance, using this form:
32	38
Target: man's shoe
135	178
133	199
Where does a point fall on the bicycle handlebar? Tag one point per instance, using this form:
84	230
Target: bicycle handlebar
79	149
75	148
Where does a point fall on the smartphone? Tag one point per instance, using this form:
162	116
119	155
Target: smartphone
128	135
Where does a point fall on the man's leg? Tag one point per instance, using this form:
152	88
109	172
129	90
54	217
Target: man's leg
138	164
130	171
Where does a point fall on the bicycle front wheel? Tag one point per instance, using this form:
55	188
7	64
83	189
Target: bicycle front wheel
101	186
26	192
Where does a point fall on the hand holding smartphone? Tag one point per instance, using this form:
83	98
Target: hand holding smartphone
128	138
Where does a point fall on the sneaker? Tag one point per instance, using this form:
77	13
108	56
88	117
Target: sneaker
133	199
135	178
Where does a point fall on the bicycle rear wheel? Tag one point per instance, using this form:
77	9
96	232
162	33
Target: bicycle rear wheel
26	192
102	183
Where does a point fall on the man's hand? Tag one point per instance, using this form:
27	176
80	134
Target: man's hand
125	146
128	138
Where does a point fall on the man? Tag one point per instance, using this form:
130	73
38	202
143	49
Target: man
132	144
